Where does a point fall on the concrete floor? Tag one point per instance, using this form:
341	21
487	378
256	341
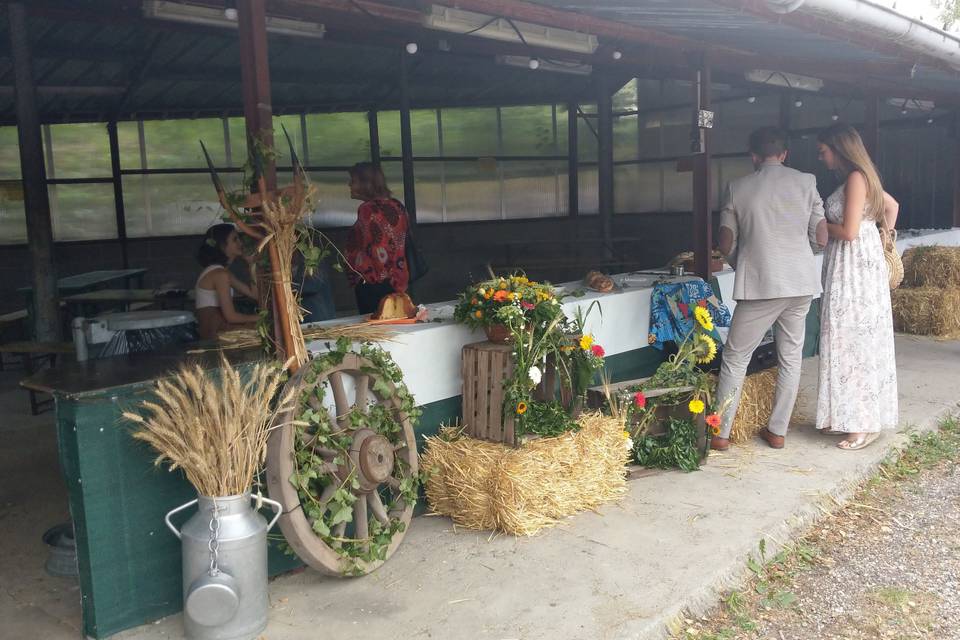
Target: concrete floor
627	572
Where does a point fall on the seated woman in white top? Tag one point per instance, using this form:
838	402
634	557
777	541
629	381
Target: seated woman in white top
215	285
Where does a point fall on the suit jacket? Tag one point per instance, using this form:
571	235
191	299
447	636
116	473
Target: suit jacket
773	214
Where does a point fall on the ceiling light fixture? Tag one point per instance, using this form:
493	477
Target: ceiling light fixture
752	99
213	17
617	54
781	79
497	28
545	65
412	48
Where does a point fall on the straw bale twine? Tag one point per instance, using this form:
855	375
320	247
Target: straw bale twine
486	485
927	311
930	266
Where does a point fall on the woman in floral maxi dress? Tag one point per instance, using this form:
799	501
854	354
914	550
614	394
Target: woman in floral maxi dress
858	376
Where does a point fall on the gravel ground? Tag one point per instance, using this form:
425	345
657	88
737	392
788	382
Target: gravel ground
886	566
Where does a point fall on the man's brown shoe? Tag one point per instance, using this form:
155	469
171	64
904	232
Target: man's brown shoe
719	444
775	441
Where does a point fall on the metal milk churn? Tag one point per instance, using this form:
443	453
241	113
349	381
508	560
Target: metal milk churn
224	567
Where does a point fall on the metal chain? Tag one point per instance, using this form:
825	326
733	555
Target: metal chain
214	544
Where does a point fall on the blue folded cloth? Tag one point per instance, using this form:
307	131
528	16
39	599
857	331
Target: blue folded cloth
671	311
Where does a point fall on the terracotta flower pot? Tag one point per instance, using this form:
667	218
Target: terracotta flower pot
497	333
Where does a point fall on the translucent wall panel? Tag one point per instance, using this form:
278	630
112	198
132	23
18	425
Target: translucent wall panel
562	129
625	140
589	191
338	139
9	154
587	142
470	132
636	188
427	182
527	131
83	212
169	205
423	132
333	205
473	191
175	144
294	129
736	120
128	137
13	221
530	189
80	150
238	142
724	171
677	189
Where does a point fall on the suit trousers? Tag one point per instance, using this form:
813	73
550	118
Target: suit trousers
751	320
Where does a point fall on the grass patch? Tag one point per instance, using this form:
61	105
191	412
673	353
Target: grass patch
888	612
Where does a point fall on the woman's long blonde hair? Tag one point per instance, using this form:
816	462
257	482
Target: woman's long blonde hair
848	147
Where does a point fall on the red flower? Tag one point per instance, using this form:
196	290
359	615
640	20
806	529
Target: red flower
597	351
702	304
639	399
527	305
713	420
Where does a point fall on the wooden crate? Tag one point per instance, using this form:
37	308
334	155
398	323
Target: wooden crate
485	366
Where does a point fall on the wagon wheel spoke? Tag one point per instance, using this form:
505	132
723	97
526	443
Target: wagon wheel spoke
379	511
327	494
338	532
340	398
400	445
361	528
394	483
363	388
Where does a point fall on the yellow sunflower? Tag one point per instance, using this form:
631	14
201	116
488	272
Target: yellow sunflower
585	341
705	348
521	408
696	406
704	318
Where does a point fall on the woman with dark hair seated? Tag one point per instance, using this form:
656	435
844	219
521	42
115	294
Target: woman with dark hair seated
215	285
376	243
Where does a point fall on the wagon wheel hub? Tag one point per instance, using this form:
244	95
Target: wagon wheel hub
372	458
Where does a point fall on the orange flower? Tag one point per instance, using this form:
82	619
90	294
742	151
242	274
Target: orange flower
521	408
474	301
501	296
713	420
478	313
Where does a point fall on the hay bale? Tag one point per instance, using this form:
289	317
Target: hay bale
927	311
929	266
756	406
485	485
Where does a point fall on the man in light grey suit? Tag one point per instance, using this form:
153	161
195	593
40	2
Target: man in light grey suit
771	222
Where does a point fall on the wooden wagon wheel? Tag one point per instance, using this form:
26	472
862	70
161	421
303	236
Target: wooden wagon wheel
379	463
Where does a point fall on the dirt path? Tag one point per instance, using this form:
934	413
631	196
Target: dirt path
885	566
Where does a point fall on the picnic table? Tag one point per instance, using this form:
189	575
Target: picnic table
91	303
83	282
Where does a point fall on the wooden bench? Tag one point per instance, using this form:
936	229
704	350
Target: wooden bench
31	354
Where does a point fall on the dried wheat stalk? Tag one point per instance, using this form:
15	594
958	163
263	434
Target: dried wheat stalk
212	424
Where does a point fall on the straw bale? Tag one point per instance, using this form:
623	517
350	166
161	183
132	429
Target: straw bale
930	266
927	311
485	485
756	405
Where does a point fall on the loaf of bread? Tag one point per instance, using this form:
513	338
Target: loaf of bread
599	282
395	306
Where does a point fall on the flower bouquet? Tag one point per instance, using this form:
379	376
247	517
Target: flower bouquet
669	414
482	305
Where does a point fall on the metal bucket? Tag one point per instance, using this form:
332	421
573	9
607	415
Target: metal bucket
224	568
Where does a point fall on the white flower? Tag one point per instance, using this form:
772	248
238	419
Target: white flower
535	375
629	444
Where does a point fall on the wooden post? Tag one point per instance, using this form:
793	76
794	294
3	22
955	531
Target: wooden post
118	191
258	114
702	211
605	162
573	160
36	201
871	128
374	137
406	140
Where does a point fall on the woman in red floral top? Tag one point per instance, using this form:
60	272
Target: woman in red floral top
376	243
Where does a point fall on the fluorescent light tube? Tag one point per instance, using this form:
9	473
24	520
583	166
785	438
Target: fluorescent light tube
781	79
214	17
486	26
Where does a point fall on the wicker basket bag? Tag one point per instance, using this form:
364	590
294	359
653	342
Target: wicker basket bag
894	263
